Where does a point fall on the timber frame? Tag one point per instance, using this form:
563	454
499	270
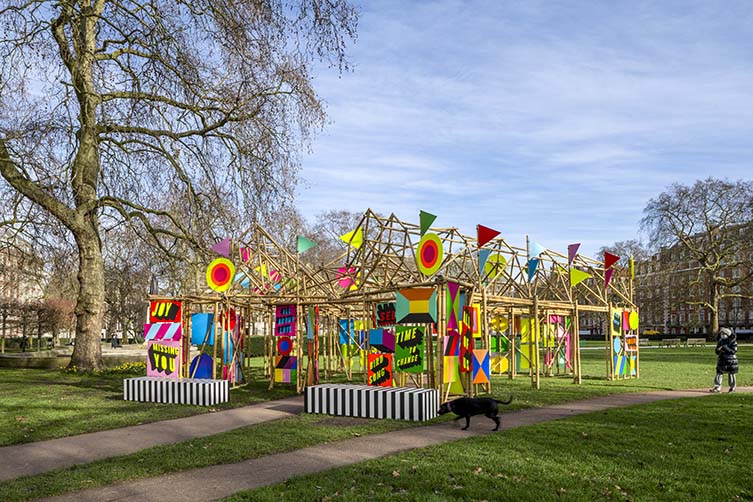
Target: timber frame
268	275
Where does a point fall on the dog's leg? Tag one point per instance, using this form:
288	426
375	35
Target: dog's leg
467	422
496	421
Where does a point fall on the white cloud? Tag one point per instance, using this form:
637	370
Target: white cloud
554	120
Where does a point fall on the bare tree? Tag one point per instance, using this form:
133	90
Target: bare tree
711	222
121	111
625	250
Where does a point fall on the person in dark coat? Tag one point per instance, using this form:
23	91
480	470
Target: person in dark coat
726	350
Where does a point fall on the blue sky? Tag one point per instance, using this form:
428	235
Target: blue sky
557	120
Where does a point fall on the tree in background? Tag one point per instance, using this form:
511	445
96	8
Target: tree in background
126	112
625	250
711	221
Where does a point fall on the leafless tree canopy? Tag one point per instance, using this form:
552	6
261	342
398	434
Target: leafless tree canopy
711	223
181	118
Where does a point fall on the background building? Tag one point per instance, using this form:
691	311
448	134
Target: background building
669	291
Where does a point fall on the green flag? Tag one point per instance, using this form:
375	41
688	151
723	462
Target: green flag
304	244
426	220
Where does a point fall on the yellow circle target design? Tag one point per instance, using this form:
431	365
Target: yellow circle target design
220	274
429	255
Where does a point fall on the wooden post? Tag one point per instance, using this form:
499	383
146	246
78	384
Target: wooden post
576	345
511	346
537	335
610	348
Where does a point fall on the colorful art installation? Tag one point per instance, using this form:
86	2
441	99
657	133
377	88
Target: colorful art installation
382	339
426	220
165	311
304	244
607	278
484	235
286	368
483	257
416	305
572	252
409	349
163	349
533	264
353	238
285	319
453	305
385	314
379	370
451	350
347	278
312	322
220	274
494	266
633	321
481	371
202	328
201	366
577	276
222	248
429	254
466	341
610	259
631	343
228	319
534	250
347	331
284	345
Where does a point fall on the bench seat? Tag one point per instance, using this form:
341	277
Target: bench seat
397	403
198	391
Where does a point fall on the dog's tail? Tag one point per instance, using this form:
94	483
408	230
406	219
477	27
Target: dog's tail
505	402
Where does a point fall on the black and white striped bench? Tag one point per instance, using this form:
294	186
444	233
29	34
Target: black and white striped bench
398	403
185	391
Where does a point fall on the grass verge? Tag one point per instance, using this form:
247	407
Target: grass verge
662	369
688	449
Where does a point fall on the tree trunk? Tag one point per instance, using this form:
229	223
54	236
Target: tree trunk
714	309
87	353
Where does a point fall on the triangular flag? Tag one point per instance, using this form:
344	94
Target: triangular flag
607	277
222	247
632	268
532	264
305	244
535	249
577	276
354	238
610	259
483	257
426	220
485	234
572	250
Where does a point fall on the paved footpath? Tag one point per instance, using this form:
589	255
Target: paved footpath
42	456
219	481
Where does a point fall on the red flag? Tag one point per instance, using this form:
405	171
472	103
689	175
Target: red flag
485	234
610	259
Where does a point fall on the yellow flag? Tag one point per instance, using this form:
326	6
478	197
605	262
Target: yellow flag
354	238
577	276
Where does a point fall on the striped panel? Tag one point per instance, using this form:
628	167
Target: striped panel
186	391
396	403
171	331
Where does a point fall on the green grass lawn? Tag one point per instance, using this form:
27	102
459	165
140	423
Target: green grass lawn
688	449
46	404
661	369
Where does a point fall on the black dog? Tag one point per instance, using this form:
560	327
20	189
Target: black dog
466	407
